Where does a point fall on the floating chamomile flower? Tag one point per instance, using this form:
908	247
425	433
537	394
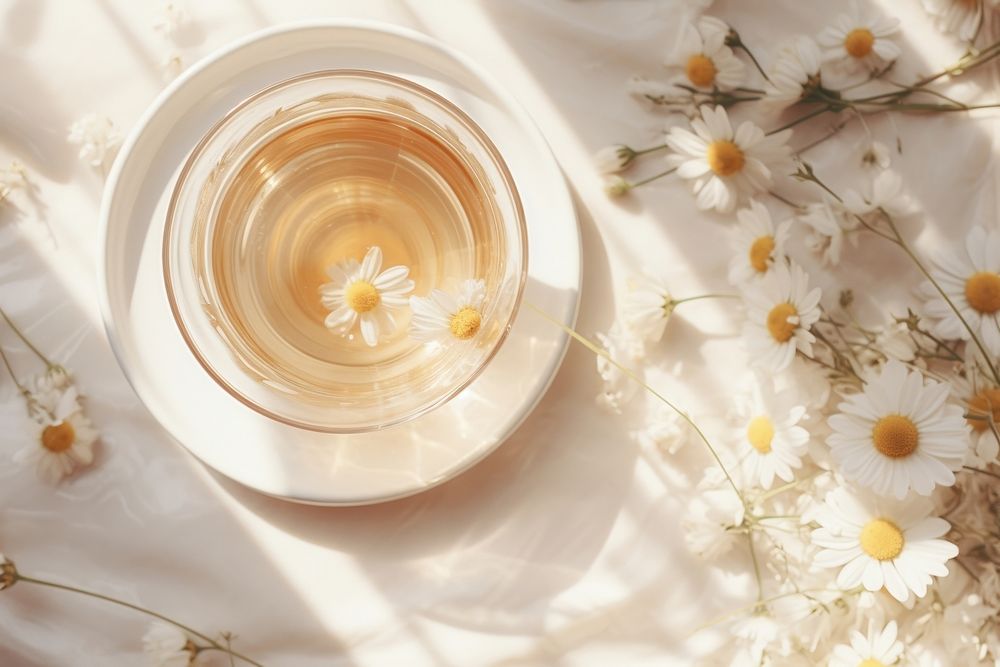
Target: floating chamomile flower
771	440
780	311
860	37
726	167
445	317
899	434
704	57
970	277
877	648
364	293
882	544
757	243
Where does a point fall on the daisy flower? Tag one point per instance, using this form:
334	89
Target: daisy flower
795	74
859	37
97	138
874	649
167	646
64	437
885	192
959	17
757	244
830	224
612	159
780	311
646	307
704	57
881	544
982	407
725	166
363	293
970	277
899	433
772	440
444	317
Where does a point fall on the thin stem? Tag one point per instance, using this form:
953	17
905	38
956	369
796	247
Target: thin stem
756	567
677	302
812	144
654	177
750	607
753	59
801	119
10	371
955	356
785	487
651	149
787	202
981	471
213	644
596	349
24	339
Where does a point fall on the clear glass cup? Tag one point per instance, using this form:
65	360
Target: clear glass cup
247	239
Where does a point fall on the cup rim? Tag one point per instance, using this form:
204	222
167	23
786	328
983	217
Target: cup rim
457	114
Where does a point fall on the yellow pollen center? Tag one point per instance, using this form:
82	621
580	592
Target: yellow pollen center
983	407
465	323
777	322
895	436
982	291
362	296
871	662
58	437
760	433
700	70
725	158
760	253
881	539
859	42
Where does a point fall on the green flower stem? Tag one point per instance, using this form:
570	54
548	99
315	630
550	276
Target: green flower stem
10	371
652	178
651	149
596	349
677	302
743	47
801	119
212	644
24	339
981	471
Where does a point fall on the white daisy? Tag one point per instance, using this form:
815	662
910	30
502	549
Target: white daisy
884	192
612	159
959	17
97	137
899	433
878	648
860	37
63	435
982	407
646	307
795	74
757	243
882	544
167	646
830	224
362	292
443	317
970	276
727	167
704	57
771	440
780	311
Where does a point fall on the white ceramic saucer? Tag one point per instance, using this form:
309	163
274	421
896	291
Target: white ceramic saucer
238	442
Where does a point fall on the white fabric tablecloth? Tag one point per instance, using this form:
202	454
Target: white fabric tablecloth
565	545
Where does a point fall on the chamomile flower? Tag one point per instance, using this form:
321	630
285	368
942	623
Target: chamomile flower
881	544
771	440
795	74
959	17
646	307
830	224
899	434
970	277
757	243
982	408
63	437
780	311
860	37
362	294
885	192
167	646
877	647
705	59
445	317
612	159
726	167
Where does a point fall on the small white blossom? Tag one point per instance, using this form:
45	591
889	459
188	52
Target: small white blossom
166	645
711	521
885	192
830	225
647	307
172	18
616	186
958	17
612	159
626	349
876	156
664	431
860	38
795	74
97	138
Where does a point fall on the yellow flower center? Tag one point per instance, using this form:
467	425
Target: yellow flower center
465	323
362	296
760	253
983	407
982	291
700	70
760	433
895	436
725	158
777	322
871	662
881	539
58	437
859	42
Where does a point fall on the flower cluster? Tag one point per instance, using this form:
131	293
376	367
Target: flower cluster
860	471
